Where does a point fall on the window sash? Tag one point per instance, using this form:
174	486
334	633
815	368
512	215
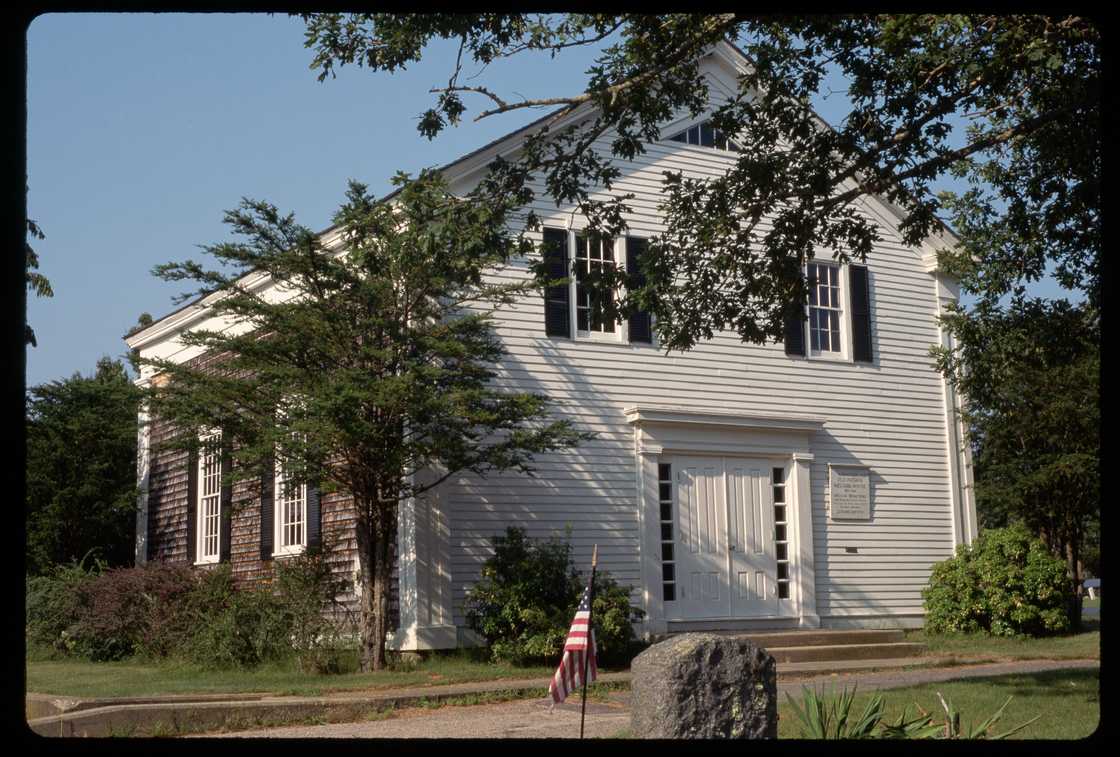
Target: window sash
590	305
825	309
290	519
209	498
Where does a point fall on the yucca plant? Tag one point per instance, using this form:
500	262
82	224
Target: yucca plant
828	718
952	728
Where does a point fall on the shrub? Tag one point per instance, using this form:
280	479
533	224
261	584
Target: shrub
234	628
54	603
308	591
133	610
1007	583
525	601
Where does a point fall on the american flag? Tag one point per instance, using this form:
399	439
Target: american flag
569	676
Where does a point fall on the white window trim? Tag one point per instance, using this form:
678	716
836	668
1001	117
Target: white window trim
621	333
845	353
278	525
200	504
685	125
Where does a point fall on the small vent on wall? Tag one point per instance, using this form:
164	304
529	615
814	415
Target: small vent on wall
851	550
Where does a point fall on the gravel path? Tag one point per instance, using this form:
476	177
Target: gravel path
533	719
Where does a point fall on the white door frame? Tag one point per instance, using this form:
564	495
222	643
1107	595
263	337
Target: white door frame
783	440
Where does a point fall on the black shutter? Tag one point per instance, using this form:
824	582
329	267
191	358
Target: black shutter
557	313
192	506
640	330
861	314
795	330
225	506
267	479
314	517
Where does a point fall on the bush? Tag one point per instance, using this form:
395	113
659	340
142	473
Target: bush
1007	583
54	603
234	628
164	610
525	602
133	611
308	591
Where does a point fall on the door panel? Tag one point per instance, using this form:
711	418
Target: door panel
751	538
702	514
725	533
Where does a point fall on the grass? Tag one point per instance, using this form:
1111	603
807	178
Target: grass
130	678
1067	700
1085	645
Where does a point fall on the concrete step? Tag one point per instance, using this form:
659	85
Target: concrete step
785	639
845	652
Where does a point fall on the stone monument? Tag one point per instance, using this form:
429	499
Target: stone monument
704	686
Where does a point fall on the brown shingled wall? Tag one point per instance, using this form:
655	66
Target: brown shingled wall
167	521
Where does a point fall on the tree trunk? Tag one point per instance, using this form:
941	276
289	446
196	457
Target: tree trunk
375	548
1073	561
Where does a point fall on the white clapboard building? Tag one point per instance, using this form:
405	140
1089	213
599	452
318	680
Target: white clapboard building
799	485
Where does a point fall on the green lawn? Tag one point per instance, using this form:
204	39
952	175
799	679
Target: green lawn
137	679
1067	700
1085	645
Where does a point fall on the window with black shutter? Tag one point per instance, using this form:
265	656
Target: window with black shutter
861	314
557	312
640	327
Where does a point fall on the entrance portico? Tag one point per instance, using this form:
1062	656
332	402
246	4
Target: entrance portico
726	519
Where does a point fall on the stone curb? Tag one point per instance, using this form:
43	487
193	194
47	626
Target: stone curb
186	713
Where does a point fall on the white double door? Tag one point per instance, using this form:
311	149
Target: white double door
725	538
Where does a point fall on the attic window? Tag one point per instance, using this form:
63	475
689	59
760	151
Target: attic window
705	135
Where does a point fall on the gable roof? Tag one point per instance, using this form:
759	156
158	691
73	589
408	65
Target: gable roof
189	311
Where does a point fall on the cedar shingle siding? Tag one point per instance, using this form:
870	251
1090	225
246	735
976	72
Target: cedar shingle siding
167	522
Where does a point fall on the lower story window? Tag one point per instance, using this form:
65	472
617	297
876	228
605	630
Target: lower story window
781	531
209	498
291	514
665	506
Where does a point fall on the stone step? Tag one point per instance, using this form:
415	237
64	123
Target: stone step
844	652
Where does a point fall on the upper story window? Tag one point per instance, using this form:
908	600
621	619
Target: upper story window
593	302
584	307
838	316
705	135
209	498
825	311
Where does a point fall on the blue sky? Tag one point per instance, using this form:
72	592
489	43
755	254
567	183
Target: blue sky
143	128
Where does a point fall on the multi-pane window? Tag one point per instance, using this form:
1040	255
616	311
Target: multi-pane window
209	497
705	135
594	301
290	517
781	531
665	505
824	308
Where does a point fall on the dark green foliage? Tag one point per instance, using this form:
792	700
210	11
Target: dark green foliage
81	468
166	611
36	282
1007	583
1029	372
54	602
235	628
732	253
524	604
308	590
382	360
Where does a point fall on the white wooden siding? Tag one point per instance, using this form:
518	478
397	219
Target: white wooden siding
889	416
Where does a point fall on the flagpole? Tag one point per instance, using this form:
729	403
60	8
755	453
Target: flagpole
588	650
